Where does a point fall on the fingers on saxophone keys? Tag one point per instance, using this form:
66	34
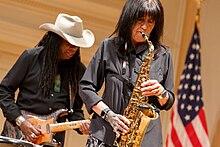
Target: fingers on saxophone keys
122	128
155	92
124	120
115	129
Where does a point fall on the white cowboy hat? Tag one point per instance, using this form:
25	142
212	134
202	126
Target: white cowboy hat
70	28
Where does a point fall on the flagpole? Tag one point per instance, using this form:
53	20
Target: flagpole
198	14
198	19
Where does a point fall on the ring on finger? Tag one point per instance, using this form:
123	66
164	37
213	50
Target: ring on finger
33	135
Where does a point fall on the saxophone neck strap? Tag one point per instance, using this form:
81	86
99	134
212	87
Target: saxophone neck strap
124	80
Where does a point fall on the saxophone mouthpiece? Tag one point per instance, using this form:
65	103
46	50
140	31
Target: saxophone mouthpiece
144	35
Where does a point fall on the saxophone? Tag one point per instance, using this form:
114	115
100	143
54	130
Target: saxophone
139	111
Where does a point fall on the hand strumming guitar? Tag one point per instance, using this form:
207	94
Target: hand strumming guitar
31	132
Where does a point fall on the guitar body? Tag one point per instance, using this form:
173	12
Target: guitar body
46	136
41	121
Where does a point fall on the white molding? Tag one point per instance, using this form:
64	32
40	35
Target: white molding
174	21
179	31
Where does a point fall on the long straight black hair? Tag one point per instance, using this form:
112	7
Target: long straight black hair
51	44
134	10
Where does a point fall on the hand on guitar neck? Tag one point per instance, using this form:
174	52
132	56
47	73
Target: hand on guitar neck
84	128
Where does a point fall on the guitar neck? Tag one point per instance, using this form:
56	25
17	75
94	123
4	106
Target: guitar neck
59	127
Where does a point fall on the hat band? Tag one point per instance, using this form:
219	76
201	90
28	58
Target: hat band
74	35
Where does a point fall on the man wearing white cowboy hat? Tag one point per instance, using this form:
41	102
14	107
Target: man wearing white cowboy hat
47	77
70	28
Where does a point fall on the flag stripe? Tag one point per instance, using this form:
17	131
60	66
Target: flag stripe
203	120
181	132
168	142
200	130
174	137
192	135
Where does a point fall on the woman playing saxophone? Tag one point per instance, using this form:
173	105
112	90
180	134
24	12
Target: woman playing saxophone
117	61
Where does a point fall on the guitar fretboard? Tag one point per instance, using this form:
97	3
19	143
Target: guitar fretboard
64	126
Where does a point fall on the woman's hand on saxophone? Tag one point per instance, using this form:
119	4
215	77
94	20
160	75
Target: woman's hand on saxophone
154	88
118	122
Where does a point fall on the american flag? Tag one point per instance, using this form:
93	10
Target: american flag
188	123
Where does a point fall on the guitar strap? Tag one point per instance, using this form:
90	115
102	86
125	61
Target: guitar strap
11	130
72	98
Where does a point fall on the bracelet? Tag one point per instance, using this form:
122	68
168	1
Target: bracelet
20	120
163	94
105	112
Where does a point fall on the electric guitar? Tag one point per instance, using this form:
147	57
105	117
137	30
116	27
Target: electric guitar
48	125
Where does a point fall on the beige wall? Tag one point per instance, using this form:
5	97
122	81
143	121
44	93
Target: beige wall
19	21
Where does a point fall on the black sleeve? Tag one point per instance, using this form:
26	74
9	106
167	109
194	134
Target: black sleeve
78	103
90	82
169	81
77	106
10	84
77	109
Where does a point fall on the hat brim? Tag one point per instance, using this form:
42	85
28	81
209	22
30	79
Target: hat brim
87	39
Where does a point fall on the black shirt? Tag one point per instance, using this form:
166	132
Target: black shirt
25	76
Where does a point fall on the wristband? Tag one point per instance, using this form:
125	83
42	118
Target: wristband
20	120
104	112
